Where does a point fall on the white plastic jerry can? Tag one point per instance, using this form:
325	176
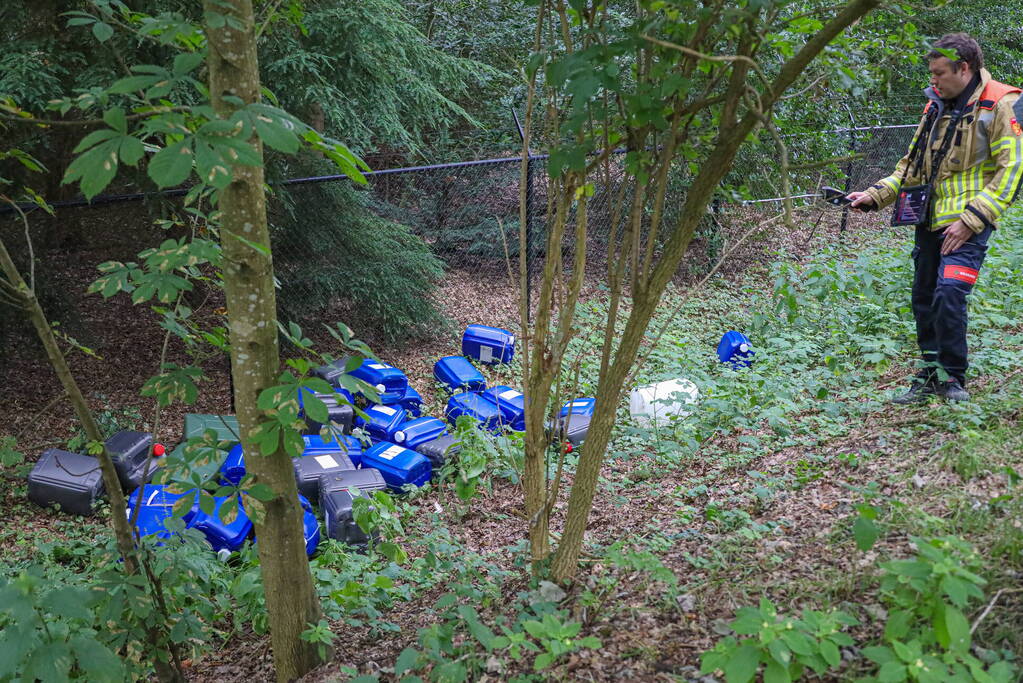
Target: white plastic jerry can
657	404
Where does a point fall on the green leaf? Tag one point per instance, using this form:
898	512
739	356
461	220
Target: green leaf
67	602
94	138
776	673
115	119
172	164
187	62
48	662
780	653
830	653
102	31
798	642
316	409
212	166
96	660
954	631
891	672
865	532
131	84
898	625
276	133
131	150
956	589
94	169
743	664
542	661
261	492
406	661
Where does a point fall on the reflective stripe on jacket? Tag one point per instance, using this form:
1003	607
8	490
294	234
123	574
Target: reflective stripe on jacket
982	173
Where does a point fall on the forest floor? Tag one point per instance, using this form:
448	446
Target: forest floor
680	537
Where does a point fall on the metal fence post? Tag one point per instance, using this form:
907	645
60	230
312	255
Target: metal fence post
848	172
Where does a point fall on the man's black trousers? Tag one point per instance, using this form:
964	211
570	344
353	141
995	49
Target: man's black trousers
940	286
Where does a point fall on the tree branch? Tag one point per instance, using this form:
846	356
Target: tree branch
91	122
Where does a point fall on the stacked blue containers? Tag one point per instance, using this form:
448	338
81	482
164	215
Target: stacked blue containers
381	421
488	344
457	373
512	404
158	504
415	432
479	406
580	406
399	466
735	348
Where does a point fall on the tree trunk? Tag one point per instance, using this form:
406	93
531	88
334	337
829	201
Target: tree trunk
611	385
252	311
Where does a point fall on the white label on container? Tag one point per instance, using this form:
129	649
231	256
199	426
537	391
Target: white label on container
326	461
509	394
386	410
486	354
511	340
391	453
581	402
376	366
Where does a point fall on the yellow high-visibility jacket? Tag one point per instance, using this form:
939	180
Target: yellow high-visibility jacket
982	173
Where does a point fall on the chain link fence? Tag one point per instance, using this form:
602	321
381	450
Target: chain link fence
417	251
385	253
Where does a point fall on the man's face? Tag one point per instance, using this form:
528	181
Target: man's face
945	80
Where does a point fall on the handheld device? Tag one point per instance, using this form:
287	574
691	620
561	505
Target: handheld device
834	196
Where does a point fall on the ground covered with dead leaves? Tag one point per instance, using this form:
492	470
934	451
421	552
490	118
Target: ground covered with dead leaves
763	493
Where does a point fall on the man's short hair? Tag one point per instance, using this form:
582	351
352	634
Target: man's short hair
966	48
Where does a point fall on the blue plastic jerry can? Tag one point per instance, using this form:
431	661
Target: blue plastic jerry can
151	520
157	496
390	382
458	374
220	535
382	421
512	404
735	348
488	344
310	526
412	402
233	468
420	430
399	465
341	443
580	406
476	405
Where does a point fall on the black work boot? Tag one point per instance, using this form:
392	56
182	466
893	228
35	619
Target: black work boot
952	390
918	392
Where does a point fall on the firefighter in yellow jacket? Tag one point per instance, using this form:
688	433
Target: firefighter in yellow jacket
963	169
